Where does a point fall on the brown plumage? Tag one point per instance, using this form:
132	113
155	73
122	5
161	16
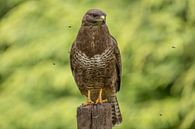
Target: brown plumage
96	62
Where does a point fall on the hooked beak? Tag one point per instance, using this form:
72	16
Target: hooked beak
100	19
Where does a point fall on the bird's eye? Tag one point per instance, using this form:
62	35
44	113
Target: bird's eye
95	15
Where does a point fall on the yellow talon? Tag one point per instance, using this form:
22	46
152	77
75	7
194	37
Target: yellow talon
89	101
99	100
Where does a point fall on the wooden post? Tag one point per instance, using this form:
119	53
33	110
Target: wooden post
95	116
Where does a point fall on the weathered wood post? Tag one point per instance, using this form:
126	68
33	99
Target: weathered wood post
94	116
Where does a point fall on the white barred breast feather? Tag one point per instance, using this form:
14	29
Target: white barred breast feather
97	61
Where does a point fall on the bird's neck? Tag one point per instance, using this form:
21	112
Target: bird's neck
93	40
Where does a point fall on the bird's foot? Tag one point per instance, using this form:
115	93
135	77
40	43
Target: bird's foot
100	101
88	102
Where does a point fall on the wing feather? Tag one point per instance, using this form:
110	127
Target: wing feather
118	64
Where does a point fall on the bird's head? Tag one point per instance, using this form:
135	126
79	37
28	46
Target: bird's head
94	17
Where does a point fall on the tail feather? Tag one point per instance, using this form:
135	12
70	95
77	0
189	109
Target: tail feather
116	114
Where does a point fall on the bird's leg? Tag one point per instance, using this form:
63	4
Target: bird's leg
89	101
100	100
89	97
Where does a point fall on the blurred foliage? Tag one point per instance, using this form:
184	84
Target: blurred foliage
156	39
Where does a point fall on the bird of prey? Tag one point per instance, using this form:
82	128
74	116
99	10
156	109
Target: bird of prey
96	62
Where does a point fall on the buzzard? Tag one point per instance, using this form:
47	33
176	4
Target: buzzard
96	63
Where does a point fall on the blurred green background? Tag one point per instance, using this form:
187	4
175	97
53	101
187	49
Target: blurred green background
157	43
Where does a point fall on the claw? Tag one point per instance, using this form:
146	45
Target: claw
89	101
100	100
